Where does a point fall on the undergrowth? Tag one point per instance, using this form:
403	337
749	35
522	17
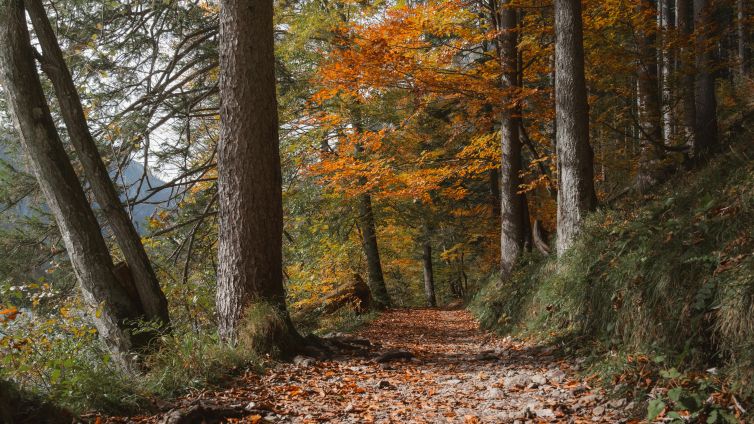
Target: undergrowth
79	376
671	273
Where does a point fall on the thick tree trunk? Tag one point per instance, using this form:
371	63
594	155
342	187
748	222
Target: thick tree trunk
429	277
151	297
512	232
380	297
250	270
650	116
706	140
743	38
576	196
685	27
62	190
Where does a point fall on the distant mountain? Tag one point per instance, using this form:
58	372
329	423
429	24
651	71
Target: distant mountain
132	182
144	191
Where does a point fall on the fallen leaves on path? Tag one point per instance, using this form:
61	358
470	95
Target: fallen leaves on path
449	371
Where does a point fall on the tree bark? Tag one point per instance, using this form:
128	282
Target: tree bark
380	297
706	140
81	234
685	27
250	271
650	116
151	297
743	38
512	232
665	55
429	277
540	238
576	196
366	222
494	176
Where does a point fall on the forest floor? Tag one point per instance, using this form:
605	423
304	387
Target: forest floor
456	373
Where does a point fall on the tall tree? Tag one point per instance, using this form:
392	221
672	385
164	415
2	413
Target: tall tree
152	299
250	269
116	308
685	25
368	229
743	37
649	98
513	227
706	140
665	71
576	196
380	296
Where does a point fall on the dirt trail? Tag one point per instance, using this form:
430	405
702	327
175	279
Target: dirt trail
458	374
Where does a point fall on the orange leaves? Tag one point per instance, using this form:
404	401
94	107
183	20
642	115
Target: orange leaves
9	314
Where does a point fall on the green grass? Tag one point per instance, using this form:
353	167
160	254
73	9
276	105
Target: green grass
670	273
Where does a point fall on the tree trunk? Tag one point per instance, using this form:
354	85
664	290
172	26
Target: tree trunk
429	277
706	100
665	56
151	297
494	176
380	297
250	270
354	293
576	196
650	116
685	27
512	232
743	38
81	233
376	278
539	237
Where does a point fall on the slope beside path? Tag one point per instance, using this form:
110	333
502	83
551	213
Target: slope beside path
439	368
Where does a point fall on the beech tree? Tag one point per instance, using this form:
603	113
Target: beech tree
250	270
576	196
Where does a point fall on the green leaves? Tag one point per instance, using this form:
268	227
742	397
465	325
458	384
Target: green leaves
655	408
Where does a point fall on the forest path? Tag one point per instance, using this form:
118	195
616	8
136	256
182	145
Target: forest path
458	374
